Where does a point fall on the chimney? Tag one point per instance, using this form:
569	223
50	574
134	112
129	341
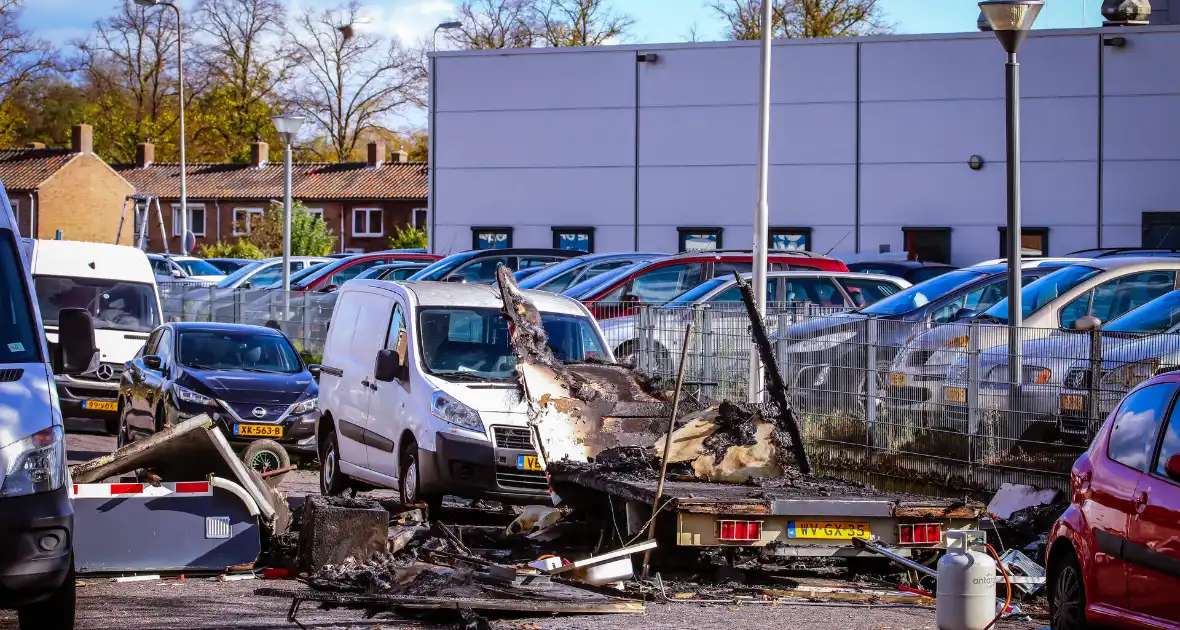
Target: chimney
376	153
399	156
82	138
259	153
145	154
36	145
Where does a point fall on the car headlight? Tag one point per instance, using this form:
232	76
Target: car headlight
304	406
826	342
34	464
1131	374
189	396
454	412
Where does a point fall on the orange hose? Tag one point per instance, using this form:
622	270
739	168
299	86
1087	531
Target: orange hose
1007	584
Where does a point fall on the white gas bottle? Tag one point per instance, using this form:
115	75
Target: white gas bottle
966	598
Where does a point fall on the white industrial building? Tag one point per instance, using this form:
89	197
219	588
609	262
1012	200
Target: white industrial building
652	147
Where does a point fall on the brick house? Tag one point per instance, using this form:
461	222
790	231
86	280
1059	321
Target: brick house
362	202
72	190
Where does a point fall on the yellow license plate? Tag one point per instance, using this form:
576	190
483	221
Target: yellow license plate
897	379
100	405
827	530
527	462
956	395
258	430
1073	402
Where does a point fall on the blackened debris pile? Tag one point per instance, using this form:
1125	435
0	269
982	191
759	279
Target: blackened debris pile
735	426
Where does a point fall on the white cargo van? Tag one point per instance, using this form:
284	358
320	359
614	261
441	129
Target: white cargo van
418	390
115	283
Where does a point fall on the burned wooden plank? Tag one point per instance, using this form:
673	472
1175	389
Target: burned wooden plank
745	508
592	603
939	512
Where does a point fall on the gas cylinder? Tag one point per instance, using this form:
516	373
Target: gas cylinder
966	598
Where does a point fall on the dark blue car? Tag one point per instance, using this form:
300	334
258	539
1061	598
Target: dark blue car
558	277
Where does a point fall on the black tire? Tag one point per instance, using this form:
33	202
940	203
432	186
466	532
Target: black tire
267	455
332	480
409	481
122	433
1067	594
55	613
111	425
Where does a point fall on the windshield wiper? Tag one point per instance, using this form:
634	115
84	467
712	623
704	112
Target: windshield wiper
469	376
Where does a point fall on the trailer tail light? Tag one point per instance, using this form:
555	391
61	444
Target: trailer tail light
739	531
920	534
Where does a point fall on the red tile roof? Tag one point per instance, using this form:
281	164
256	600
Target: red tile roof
27	169
309	180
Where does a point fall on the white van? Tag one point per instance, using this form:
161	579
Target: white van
115	283
36	514
418	390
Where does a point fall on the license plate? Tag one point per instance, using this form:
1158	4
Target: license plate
827	530
100	405
259	430
956	395
527	462
897	379
1073	402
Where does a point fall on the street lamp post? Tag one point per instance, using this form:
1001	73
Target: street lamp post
287	127
1011	21
180	91
762	208
446	26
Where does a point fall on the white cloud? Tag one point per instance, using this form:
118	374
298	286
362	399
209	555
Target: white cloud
408	20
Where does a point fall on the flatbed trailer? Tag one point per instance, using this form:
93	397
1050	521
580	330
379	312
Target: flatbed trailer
818	518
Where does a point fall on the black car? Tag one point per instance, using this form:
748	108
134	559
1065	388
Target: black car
249	379
914	271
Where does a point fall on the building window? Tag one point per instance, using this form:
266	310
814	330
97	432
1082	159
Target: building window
244	219
580	239
354	250
790	239
491	237
1034	241
419	217
366	222
928	244
196	219
699	239
316	213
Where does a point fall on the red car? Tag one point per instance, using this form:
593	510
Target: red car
1114	555
330	276
664	279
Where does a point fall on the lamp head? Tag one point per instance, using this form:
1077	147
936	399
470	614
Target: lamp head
449	25
148	3
1011	20
287	126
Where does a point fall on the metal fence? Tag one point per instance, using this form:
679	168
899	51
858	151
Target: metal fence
302	315
923	404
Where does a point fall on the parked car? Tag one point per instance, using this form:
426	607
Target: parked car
479	266
1105	252
589	285
335	273
392	271
562	275
1113	554
187	269
661	280
784	288
912	270
228	265
424	406
205	303
249	379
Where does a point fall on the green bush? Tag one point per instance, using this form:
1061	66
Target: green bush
243	249
408	237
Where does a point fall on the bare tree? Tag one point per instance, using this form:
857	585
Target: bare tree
350	79
579	23
796	19
525	23
23	58
494	24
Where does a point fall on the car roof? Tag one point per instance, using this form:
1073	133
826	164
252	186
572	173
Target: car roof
91	260
471	295
1134	263
820	273
522	251
222	327
909	264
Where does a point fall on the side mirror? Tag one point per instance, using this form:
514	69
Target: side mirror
457	279
964	314
76	338
153	362
330	288
387	367
315	370
1087	322
176	273
1172	467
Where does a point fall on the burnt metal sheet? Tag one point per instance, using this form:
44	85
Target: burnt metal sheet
868	508
954	511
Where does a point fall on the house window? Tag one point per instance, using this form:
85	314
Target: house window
316	213
699	239
491	237
928	244
354	250
244	219
580	239
790	239
196	219
419	215
1034	241
367	222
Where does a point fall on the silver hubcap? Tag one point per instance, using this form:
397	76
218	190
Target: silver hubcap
328	467
410	483
1067	599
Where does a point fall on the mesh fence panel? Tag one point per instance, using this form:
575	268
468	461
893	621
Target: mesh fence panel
302	316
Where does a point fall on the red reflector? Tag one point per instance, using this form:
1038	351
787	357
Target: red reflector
920	534
934	533
192	486
905	534
740	530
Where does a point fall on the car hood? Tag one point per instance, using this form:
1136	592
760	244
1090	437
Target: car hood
255	387
1165	348
1056	353
490	397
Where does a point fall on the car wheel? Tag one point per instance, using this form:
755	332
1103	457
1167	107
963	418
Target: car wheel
1067	595
409	481
111	425
332	481
265	456
55	613
122	437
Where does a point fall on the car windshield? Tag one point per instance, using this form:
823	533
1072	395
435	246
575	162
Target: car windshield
227	266
440	268
295	277
113	304
322	270
701	290
197	267
467	343
922	294
1159	315
592	285
19	341
1036	295
238	351
234	277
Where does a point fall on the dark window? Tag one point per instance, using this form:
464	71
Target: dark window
928	244
865	292
482	271
420	218
1161	230
1171	443
699	239
397	338
491	237
1034	241
1132	437
793	239
19	342
726	269
164	349
579	239
659	285
529	262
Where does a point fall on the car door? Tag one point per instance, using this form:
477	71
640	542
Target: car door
348	400
358	372
1110	506
136	395
1153	553
155	383
388	416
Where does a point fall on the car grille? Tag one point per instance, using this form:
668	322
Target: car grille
245	411
513	479
513	437
920	357
1078	378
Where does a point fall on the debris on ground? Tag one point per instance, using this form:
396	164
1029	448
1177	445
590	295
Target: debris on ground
533	519
1012	497
336	528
